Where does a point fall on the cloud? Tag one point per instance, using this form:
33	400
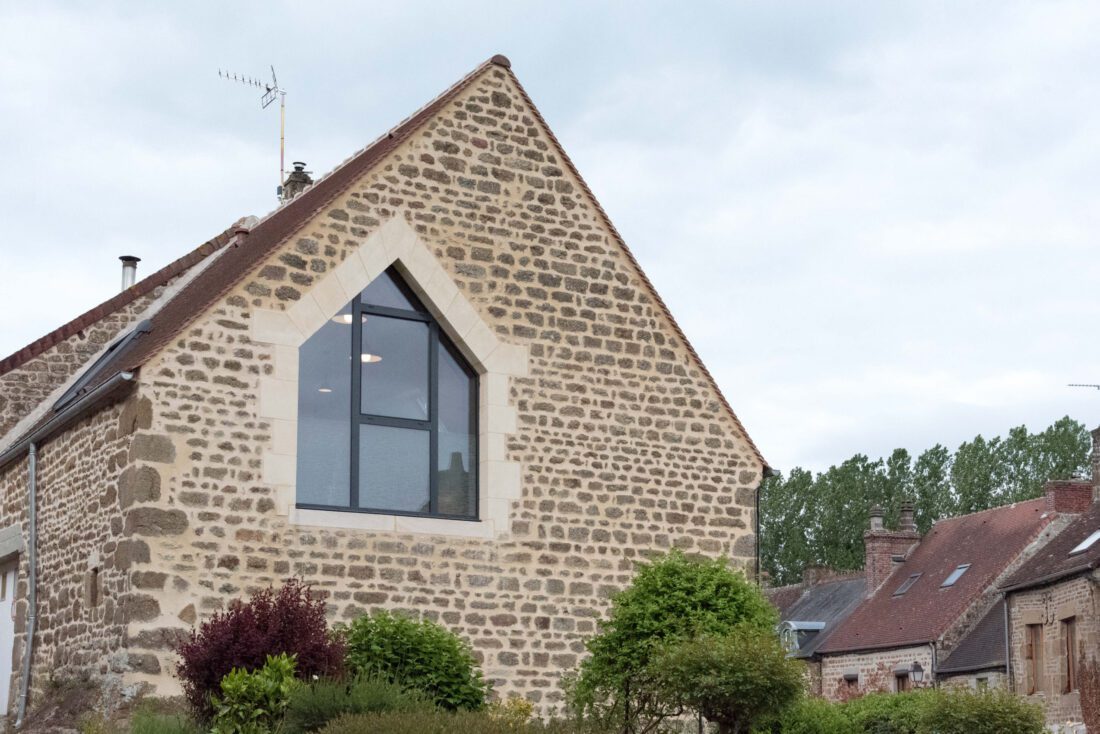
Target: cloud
875	222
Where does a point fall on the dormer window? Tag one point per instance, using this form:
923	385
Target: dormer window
955	575
387	411
907	584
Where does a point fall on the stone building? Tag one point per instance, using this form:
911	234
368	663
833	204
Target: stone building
1054	617
436	380
810	611
927	596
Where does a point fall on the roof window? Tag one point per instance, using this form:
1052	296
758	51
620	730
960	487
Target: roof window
1087	543
955	575
908	584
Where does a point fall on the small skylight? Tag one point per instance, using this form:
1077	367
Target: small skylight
1087	543
908	584
955	575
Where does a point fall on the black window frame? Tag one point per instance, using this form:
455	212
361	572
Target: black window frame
908	584
437	339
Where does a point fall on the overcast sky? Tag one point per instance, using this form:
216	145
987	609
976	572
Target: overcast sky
877	222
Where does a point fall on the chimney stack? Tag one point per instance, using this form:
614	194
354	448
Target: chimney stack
129	270
906	523
883	549
1068	496
297	181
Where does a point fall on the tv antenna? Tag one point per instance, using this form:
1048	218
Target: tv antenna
1080	384
271	92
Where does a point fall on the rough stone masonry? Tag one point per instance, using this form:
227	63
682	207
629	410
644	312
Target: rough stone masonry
159	511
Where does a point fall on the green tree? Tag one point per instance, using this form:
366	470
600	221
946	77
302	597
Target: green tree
808	519
734	680
932	492
672	598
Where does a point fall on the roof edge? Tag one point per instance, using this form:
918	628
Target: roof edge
141	288
1050	578
637	266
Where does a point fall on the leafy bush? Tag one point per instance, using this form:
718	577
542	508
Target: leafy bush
514	710
809	716
253	702
979	712
888	713
290	620
735	679
315	704
422	656
674	597
447	722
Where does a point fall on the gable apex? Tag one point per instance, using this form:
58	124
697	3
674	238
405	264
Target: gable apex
260	242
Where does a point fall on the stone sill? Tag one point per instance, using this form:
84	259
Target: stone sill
400	524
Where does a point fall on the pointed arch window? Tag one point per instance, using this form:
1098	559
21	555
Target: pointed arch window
387	411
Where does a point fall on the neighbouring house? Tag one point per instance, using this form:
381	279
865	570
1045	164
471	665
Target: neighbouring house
979	659
435	380
812	610
1054	613
926	595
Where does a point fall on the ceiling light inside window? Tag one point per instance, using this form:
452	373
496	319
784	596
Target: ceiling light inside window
342	318
369	358
324	389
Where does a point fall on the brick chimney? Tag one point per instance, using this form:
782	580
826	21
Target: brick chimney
1069	496
885	549
297	181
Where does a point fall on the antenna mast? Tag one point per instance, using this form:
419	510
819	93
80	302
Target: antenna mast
271	91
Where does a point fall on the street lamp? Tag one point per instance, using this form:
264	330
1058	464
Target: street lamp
916	673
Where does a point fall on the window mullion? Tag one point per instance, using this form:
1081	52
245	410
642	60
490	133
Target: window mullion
433	416
356	397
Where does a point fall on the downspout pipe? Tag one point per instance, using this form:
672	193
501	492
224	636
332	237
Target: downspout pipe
32	579
1008	646
73	412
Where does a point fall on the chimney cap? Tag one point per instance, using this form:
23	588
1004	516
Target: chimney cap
876	511
129	258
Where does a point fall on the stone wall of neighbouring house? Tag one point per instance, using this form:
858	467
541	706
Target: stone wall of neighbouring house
624	443
977	680
875	668
89	481
24	387
1049	606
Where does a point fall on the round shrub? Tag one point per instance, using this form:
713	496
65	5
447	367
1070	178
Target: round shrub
312	705
811	716
289	620
672	598
422	656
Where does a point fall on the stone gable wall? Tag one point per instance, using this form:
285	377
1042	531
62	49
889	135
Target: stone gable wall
26	386
624	445
1048	606
86	479
875	668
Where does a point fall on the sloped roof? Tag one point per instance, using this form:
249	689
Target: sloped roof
255	245
829	602
982	648
143	287
784	597
989	541
1054	562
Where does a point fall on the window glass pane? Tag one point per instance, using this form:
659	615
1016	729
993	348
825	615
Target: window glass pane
457	437
324	414
393	468
384	291
395	367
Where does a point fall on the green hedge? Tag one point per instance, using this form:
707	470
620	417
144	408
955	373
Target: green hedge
446	722
928	711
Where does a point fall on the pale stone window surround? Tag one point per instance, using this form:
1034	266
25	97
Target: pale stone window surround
397	244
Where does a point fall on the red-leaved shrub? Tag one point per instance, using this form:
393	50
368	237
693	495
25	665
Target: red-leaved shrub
290	619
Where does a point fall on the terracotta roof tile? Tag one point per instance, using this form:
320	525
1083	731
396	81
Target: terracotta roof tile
982	648
88	318
1054	561
989	541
